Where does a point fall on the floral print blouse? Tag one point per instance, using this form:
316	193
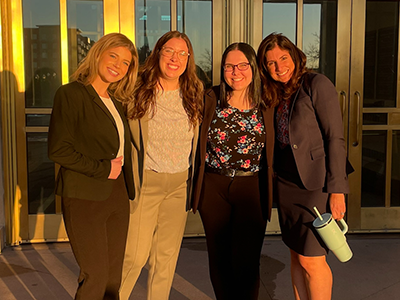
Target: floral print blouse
235	139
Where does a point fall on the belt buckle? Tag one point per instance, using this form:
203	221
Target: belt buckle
232	173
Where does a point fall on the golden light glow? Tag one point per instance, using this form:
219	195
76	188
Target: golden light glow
16	237
18	44
64	42
127	20
111	13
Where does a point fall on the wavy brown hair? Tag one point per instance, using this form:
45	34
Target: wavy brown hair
88	68
254	89
144	96
273	91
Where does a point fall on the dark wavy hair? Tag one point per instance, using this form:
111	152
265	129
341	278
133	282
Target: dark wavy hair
273	91
149	81
88	68
254	88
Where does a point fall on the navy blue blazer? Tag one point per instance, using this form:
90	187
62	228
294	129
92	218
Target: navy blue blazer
316	136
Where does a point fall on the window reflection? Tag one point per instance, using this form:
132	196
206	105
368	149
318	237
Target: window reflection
85	27
280	17
194	19
41	25
319	36
40	175
373	168
37	120
381	45
153	19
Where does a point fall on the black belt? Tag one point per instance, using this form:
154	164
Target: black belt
230	172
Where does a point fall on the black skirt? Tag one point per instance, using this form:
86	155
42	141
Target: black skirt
295	207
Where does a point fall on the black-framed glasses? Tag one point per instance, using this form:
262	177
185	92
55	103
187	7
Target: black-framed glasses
240	67
169	52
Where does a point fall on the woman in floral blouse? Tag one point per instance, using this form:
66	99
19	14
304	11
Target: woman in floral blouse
233	186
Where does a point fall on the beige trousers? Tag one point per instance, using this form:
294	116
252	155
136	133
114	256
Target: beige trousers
156	225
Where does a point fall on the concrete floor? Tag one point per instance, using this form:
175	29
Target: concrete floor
49	271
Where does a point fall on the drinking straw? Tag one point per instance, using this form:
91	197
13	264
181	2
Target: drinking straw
318	214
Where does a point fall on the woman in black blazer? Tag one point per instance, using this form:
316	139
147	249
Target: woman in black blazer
89	138
309	160
233	183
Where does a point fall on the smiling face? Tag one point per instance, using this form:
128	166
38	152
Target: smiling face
171	68
280	64
236	79
114	64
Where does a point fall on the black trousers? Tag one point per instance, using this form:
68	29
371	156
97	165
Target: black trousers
97	232
231	213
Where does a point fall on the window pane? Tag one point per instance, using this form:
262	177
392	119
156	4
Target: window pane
280	17
153	19
319	36
40	175
42	51
85	27
375	119
373	169
37	120
194	19
381	44
395	193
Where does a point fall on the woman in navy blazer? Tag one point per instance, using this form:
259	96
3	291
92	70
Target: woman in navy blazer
309	159
89	138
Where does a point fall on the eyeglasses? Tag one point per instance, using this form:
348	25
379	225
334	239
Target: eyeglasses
169	52
240	67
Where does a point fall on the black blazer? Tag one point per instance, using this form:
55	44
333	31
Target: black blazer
316	136
266	172
83	139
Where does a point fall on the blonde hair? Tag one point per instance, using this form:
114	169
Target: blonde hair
87	71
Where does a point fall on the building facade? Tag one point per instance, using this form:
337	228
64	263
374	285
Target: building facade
355	43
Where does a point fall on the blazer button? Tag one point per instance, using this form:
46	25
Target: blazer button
295	147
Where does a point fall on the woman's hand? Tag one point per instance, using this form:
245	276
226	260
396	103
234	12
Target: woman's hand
116	167
337	205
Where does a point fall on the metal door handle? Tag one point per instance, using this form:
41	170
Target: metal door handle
357	101
343	102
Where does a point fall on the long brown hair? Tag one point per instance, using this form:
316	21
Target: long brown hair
254	88
149	80
88	68
273	91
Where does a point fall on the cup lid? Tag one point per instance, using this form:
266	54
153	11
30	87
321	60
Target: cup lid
325	219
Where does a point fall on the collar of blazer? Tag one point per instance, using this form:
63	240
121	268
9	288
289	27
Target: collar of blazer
139	132
96	99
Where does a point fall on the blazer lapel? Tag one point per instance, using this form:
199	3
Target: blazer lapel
95	97
144	129
210	105
268	118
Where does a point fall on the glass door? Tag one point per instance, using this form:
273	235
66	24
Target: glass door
56	36
353	42
313	25
374	117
